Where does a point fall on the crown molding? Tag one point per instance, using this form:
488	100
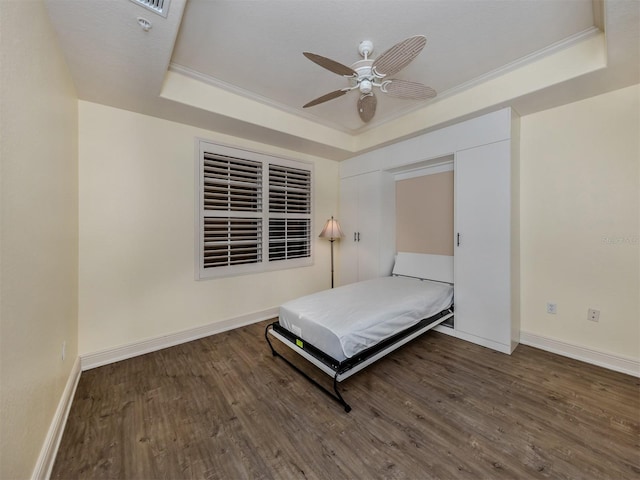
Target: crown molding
209	80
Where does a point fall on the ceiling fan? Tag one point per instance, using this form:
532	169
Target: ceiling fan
365	75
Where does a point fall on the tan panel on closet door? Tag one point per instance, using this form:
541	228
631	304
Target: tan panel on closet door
424	214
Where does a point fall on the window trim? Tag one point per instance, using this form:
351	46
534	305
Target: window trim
202	145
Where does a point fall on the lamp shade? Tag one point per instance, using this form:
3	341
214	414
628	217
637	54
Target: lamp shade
331	230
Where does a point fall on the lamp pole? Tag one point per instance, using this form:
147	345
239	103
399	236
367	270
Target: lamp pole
332	232
332	240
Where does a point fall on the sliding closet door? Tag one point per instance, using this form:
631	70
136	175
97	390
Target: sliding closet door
482	244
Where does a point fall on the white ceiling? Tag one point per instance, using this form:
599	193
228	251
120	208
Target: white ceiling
257	46
236	66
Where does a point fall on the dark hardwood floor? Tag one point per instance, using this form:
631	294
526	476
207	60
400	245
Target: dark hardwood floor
224	408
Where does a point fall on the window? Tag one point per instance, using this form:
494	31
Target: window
254	212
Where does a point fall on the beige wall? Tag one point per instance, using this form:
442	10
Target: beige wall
424	214
580	211
38	292
137	224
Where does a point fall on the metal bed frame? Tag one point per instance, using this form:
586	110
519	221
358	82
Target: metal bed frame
341	370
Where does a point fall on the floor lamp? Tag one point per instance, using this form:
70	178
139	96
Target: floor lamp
331	231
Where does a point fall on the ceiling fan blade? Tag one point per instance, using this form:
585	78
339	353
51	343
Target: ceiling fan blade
367	106
409	90
399	56
325	98
331	65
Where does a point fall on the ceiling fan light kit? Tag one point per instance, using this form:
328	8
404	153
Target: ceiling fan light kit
366	74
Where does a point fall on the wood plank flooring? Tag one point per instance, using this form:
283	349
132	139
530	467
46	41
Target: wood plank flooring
224	408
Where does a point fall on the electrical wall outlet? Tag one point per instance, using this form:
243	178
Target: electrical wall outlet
593	315
552	308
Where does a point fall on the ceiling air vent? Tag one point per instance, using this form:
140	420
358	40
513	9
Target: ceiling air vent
161	7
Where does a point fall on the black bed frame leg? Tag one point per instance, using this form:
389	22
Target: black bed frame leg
347	407
266	337
337	397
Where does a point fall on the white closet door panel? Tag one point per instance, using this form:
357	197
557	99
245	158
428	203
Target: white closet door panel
482	259
369	194
348	219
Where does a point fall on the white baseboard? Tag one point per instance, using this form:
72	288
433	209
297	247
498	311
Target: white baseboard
445	329
49	450
627	365
111	355
483	342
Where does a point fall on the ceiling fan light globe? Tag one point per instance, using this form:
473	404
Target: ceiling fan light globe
365	87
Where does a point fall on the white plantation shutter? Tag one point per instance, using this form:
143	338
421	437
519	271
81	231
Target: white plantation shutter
232	241
289	190
232	203
232	184
289	209
255	212
289	239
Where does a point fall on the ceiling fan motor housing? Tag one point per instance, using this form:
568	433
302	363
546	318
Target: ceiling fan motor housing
365	81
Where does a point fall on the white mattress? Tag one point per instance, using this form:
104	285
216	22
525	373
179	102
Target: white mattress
346	320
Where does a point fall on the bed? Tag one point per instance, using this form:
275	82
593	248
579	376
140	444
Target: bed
345	329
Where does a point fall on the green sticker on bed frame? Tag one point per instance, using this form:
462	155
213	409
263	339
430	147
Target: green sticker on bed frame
299	343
